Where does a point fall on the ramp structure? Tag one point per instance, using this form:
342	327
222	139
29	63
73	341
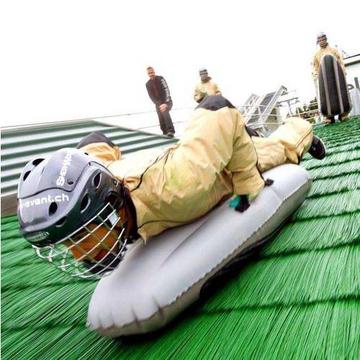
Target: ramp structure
260	111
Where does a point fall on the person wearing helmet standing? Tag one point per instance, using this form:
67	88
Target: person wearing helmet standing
205	87
80	207
325	49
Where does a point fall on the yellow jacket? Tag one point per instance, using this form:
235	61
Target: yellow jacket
318	56
205	88
214	159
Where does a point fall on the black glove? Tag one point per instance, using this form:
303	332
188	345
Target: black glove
244	203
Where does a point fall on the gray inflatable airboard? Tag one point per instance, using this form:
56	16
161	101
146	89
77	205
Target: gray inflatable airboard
156	281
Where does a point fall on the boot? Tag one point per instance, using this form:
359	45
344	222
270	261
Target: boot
317	148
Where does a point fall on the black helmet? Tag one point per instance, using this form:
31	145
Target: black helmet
65	202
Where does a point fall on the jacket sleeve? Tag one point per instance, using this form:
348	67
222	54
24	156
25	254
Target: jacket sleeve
198	95
166	90
315	67
217	90
339	58
101	147
150	92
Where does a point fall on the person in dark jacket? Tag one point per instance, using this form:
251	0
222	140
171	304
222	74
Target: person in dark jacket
159	94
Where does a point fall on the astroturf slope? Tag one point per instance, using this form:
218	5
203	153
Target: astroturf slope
299	300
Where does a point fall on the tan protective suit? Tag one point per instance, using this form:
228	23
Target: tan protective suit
214	159
318	56
205	88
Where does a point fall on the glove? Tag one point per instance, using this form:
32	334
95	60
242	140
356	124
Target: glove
240	203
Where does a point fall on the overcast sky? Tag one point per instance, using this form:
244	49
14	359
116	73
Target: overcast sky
71	59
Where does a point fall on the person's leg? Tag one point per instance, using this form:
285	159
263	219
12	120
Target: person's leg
270	153
288	144
316	84
162	122
329	120
168	123
296	136
344	116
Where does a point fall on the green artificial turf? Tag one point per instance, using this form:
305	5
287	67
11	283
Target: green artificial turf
299	299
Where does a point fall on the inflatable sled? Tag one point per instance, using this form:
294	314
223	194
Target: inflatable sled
334	95
157	281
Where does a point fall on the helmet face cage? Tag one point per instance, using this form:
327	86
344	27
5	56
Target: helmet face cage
85	265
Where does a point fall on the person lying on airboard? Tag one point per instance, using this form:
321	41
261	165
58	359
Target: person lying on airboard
80	208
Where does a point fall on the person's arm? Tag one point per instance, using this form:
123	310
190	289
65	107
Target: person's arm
166	90
198	94
150	92
100	146
315	67
340	59
216	89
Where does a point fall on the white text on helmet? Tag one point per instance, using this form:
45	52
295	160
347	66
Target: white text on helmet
60	181
43	200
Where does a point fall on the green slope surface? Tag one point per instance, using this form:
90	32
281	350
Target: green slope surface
298	299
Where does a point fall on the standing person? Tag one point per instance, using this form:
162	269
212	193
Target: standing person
325	49
205	87
159	94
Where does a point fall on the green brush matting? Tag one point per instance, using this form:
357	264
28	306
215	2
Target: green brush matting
300	299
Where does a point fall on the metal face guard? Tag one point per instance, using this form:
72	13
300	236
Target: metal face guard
93	250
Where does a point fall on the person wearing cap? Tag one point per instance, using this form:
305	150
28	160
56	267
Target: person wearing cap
325	49
159	94
205	87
